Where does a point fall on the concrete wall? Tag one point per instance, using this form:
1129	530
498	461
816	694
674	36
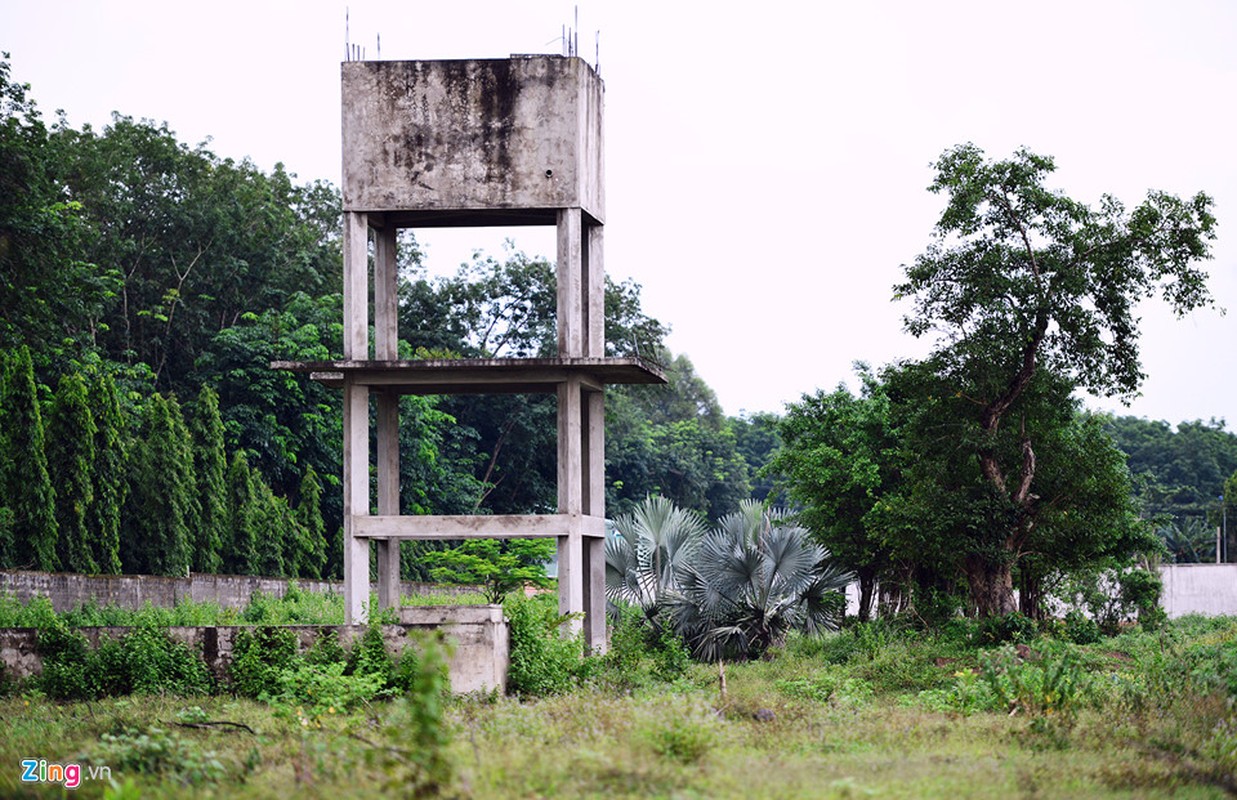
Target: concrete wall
1209	589
480	642
68	590
477	636
517	133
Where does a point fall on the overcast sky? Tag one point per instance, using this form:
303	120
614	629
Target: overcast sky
766	162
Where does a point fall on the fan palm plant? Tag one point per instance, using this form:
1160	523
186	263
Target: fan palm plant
645	550
752	580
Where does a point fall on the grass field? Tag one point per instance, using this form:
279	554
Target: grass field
873	711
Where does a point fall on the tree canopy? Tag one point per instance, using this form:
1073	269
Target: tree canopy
1023	284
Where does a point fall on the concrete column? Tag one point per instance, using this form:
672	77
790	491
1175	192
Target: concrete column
571	307
570	501
356	415
595	293
386	300
356	286
388	496
386	348
593	457
356	500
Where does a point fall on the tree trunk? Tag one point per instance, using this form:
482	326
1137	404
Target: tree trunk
1030	595
992	586
867	587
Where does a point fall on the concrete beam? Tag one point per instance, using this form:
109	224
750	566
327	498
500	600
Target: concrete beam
497	526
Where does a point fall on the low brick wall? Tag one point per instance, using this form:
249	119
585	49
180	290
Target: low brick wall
69	590
477	636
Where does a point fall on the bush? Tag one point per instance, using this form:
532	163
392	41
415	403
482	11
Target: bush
146	661
1081	629
157	752
543	661
641	653
369	656
683	735
1055	684
1012	627
258	658
309	693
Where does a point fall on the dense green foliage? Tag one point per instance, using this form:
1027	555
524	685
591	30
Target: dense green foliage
1186	481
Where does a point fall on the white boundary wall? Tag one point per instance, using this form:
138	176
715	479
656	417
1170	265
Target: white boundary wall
1208	589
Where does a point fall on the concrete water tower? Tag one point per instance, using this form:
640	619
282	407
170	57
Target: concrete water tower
467	143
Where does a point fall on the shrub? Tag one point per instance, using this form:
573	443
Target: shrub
417	762
65	653
543	661
1055	684
308	693
258	658
157	752
683	735
146	661
1081	629
369	656
1012	627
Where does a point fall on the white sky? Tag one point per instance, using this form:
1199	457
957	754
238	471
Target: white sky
766	163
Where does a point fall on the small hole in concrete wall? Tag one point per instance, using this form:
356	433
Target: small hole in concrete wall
549	173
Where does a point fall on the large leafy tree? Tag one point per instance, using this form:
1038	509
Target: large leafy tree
1181	475
1023	280
837	461
673	441
196	240
51	297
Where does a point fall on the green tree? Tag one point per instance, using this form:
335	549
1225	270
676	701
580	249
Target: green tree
838	460
161	500
241	550
27	488
70	458
51	297
111	480
210	464
499	566
309	554
198	241
946	515
757	439
272	522
1023	280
